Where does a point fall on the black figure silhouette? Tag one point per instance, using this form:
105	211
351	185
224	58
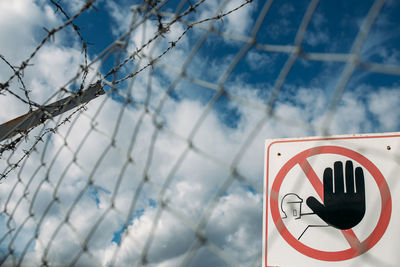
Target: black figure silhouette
342	210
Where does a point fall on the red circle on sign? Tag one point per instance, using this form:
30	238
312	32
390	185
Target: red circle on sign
355	249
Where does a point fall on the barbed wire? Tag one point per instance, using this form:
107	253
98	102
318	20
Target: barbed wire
29	172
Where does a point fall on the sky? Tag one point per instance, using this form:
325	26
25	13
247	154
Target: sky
147	168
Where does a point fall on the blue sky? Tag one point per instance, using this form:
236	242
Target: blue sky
332	29
104	184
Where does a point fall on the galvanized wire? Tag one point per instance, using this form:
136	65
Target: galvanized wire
34	146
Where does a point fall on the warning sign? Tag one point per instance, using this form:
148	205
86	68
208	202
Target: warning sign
329	201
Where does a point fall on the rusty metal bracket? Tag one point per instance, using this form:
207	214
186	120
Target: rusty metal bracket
34	118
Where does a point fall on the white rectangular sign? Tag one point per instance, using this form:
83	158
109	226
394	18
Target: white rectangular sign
331	201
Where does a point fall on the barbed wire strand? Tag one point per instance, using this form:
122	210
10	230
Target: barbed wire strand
128	64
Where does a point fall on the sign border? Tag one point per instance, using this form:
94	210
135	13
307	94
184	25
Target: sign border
305	139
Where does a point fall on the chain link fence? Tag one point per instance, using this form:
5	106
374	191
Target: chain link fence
162	164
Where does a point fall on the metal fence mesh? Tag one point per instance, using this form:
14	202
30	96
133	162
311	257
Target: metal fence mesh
166	167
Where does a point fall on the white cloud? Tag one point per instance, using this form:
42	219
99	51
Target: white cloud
239	22
257	60
316	38
20	25
235	223
383	104
319	35
75	5
17	23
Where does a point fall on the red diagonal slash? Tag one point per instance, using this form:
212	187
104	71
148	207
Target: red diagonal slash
319	188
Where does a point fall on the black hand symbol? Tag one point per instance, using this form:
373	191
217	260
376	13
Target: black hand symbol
341	209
